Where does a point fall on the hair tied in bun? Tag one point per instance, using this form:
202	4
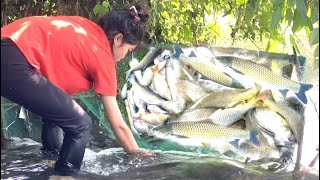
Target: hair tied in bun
136	17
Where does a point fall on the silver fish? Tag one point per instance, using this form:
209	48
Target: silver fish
271	122
226	117
161	85
147	59
156	109
171	79
145	94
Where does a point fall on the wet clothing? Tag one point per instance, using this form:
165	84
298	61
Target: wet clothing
45	61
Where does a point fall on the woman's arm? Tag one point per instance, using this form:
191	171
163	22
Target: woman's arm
118	125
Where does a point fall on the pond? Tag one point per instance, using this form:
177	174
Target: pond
22	159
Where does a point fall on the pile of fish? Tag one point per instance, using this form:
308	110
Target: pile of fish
227	103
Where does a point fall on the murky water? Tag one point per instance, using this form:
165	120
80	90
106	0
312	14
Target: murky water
22	159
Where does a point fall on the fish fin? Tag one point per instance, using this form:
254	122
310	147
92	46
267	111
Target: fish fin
257	86
284	92
156	68
302	92
254	138
235	70
192	54
179	136
236	84
128	73
262	96
213	60
178	52
131	78
235	143
205	144
276	67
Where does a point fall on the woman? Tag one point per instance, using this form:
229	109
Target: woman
44	60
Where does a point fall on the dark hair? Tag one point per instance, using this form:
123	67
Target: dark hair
129	21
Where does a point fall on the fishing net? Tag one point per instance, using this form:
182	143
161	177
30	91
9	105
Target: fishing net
30	127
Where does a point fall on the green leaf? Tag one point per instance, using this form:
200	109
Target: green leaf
97	9
100	9
277	2
301	7
276	17
300	21
294	44
289	15
106	4
314	36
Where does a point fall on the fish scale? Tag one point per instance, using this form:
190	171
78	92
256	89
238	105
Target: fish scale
227	98
208	70
207	130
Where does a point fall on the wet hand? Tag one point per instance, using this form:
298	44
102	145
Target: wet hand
142	152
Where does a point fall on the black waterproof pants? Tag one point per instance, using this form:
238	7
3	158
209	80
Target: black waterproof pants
21	84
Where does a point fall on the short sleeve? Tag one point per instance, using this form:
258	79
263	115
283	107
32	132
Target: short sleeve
103	73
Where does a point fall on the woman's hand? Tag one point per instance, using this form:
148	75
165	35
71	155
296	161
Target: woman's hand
142	152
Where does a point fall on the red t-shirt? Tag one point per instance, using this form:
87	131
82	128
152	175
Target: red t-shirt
70	51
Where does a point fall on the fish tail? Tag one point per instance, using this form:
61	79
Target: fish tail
178	52
302	92
254	138
192	54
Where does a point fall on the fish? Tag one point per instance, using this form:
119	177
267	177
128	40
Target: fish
166	54
193	115
174	107
211	86
146	60
209	70
145	94
139	103
247	149
294	119
154	119
171	79
156	109
202	130
227	117
227	98
137	73
161	65
181	71
147	77
190	91
290	100
266	120
130	111
161	85
266	76
141	127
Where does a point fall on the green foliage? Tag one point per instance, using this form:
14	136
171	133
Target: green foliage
102	9
214	22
